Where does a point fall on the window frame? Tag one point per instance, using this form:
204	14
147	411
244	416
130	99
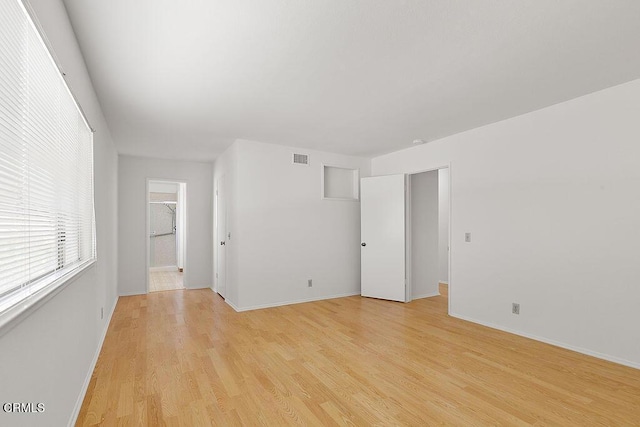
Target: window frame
38	291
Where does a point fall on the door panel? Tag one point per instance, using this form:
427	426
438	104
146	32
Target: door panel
221	233
382	211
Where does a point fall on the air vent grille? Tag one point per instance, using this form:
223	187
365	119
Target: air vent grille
300	159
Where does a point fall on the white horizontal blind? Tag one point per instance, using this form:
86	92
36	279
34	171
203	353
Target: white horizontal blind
47	225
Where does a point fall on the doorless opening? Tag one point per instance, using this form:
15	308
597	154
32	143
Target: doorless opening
166	231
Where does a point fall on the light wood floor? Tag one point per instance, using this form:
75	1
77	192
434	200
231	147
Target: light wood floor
186	358
165	280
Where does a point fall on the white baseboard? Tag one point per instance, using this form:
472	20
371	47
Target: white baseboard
87	380
232	305
588	352
442	282
131	294
164	268
134	293
298	301
196	288
429	295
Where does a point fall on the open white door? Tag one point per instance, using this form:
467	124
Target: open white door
382	222
221	233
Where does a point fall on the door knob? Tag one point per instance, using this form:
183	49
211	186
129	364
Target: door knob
363	244
222	243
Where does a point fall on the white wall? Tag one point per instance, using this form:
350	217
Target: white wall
424	234
283	233
48	357
132	213
163	187
443	221
551	200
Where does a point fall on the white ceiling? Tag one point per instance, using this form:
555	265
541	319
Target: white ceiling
184	79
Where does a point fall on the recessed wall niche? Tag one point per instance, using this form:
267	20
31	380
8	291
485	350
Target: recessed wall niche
340	183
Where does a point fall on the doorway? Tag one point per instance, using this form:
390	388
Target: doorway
166	202
443	231
427	233
405	223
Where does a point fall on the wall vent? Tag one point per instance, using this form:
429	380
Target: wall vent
301	159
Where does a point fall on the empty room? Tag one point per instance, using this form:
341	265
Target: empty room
322	212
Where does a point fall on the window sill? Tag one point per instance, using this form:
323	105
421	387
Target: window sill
16	314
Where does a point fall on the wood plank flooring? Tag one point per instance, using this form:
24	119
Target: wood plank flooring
186	358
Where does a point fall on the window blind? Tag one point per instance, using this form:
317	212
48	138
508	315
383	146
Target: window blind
47	226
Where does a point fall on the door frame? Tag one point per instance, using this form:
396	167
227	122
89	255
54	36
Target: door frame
409	288
182	185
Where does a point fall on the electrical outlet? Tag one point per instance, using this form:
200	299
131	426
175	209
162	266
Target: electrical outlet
102	312
467	237
515	308
309	283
